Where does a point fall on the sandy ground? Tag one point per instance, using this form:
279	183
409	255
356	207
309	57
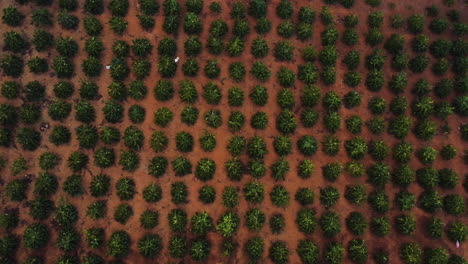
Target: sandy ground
291	235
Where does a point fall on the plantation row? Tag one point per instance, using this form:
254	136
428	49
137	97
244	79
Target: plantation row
107	120
37	235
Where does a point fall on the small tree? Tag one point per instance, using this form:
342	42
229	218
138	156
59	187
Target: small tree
36	236
12	17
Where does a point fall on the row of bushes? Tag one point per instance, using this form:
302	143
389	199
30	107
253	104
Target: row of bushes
37	236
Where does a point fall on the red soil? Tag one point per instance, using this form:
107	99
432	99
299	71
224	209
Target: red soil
291	235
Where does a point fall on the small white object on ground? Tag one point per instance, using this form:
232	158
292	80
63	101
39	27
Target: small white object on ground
458	244
177	59
108	67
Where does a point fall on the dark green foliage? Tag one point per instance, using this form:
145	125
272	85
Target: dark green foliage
129	160
410	253
375	80
28	138
122	213
448	178
405	224
179	193
430	201
405	200
330	224
253	192
92	67
152	193
177	246
67	20
157	166
14	42
375	60
329	36
456	231
454	204
8	114
94	237
66	215
356	223
354	124
230	197
40	208
63	67
334	253
352	60
419	63
374	37
136	114
212	69
12	17
332	122
240	28
29	113
331	145
46	184
329	196
41	17
332	171
355	194
125	189
104	157
10	89
68	239
263	25
310	96
133	138
150	246
99	185
16	189
97	210
36	236
460	105
280	169
34	91
236	121
168	47
279	196
167	67
213	118
38	65
304	196
235	47
94	7
207	141
285	99
146	22
201	223
59	110
237	71
119	244
328	75
379	201
200	249
73	185
277	223
426	155
357	251
9	219
207	194
285	29
350	37
279	252
415	23
113	111
92	25
94	46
